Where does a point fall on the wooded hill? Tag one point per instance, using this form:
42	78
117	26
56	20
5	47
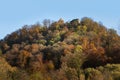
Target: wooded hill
76	50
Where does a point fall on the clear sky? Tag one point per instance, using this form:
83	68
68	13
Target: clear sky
16	13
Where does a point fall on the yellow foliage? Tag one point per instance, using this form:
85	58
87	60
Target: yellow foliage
50	65
5	69
78	49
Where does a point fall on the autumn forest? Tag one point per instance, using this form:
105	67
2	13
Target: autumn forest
80	49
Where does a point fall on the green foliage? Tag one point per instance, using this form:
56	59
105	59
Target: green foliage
78	49
114	70
72	64
36	76
93	74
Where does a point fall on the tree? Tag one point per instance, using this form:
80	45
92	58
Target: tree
72	64
0	52
75	22
93	74
60	21
46	22
36	76
23	58
6	70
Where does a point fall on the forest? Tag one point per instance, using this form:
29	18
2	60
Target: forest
80	49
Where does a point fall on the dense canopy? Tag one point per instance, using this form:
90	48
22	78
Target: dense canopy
76	50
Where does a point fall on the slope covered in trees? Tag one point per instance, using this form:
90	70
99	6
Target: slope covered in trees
76	50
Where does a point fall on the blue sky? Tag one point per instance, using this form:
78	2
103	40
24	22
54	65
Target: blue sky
16	13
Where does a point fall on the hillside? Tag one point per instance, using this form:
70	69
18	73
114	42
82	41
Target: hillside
76	50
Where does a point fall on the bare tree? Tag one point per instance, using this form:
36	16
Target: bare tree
46	22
